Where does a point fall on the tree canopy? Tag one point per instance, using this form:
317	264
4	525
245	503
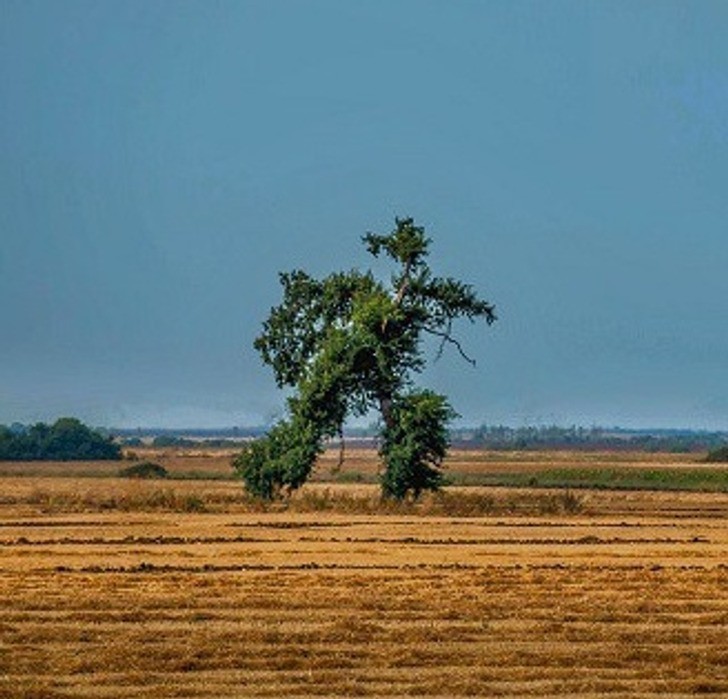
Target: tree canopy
67	439
349	344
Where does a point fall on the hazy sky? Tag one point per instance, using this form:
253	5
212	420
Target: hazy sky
161	161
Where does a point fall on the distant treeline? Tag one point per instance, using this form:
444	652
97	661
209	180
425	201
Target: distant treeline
484	437
168	440
196	434
67	439
588	438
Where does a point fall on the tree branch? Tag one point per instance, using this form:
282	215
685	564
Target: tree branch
405	283
446	337
401	291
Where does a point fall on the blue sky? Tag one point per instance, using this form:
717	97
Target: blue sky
162	161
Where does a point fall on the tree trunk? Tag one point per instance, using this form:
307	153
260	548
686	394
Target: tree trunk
385	408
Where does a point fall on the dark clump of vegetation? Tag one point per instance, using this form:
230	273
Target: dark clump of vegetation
719	455
146	470
67	439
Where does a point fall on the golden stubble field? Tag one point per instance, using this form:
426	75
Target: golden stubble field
183	588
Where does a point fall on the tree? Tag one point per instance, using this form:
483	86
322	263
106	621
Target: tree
67	439
350	343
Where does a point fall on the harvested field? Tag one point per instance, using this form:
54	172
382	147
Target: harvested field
187	589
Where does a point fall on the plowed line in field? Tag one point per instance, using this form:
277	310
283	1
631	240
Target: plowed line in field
407	540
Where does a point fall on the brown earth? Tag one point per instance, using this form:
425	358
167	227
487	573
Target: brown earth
111	588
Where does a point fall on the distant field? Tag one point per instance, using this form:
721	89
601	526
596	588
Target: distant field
185	588
545	469
216	462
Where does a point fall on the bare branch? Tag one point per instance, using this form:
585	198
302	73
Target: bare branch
446	337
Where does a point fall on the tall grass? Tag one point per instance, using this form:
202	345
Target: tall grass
443	503
367	500
147	500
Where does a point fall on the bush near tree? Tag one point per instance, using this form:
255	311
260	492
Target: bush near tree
67	439
146	470
349	344
718	455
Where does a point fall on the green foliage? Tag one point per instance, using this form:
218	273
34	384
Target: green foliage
68	439
145	470
415	443
348	344
282	460
719	455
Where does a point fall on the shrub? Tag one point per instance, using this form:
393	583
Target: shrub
146	469
719	455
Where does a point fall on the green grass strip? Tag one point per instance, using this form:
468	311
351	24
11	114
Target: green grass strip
687	479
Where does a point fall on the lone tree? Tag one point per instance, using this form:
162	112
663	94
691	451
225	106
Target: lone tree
349	344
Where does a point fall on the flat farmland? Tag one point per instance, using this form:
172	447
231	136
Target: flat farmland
185	588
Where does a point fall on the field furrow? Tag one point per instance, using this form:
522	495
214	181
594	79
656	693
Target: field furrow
625	595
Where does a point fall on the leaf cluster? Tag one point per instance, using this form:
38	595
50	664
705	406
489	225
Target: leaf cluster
415	444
